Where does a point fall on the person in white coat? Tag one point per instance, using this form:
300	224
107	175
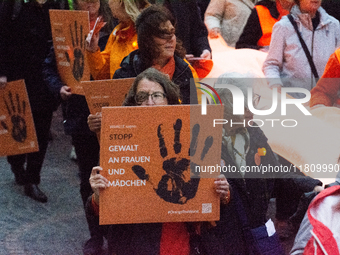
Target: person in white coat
286	64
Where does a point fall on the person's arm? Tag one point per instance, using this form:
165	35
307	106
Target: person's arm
304	183
302	237
99	62
251	34
199	33
326	90
97	182
272	66
52	78
222	188
214	16
94	121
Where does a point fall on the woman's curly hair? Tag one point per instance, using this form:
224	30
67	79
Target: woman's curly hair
148	26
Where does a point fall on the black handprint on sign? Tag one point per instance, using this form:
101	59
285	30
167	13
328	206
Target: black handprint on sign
78	48
173	187
16	110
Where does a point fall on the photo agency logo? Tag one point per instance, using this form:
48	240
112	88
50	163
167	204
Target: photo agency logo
239	106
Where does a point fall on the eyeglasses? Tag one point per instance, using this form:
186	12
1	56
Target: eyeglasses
156	97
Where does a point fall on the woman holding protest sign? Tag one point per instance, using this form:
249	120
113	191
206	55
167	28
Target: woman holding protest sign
152	88
121	42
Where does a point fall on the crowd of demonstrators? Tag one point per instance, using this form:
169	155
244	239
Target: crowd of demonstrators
228	18
286	58
25	42
158	48
75	109
154	238
144	45
327	90
259	27
122	41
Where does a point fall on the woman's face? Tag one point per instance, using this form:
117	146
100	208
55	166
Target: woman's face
118	10
92	6
310	6
150	93
167	41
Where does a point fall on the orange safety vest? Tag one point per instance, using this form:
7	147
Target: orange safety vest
267	22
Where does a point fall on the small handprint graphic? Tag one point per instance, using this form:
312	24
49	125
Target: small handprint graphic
78	44
173	187
16	110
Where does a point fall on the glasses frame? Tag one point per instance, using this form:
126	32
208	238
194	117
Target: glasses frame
147	98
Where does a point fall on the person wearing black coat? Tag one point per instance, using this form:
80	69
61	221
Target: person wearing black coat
131	66
25	42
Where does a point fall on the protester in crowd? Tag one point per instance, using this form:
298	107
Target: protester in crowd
258	29
190	28
96	9
157	48
319	230
75	115
250	191
286	57
152	88
327	90
227	18
24	46
122	41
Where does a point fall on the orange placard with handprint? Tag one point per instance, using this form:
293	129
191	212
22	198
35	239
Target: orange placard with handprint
17	131
69	31
150	156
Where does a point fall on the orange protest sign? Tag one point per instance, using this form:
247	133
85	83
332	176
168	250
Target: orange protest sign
17	131
69	30
106	93
146	158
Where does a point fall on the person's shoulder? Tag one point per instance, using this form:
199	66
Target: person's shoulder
180	63
283	24
127	66
129	59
